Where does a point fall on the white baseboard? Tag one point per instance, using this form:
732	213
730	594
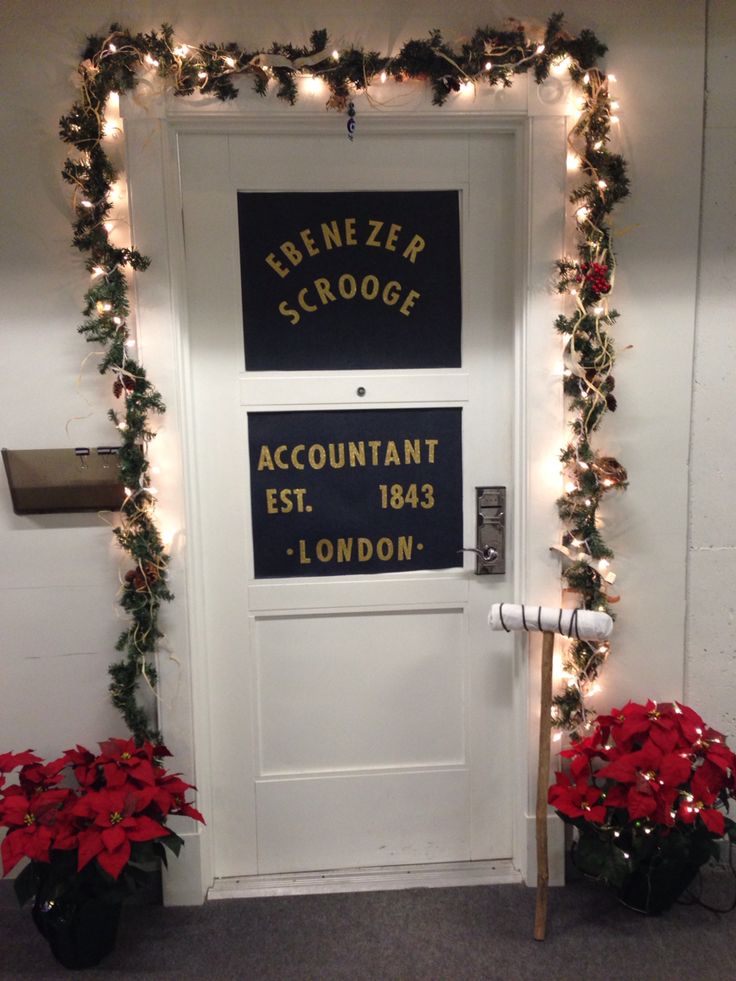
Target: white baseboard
365	880
555	847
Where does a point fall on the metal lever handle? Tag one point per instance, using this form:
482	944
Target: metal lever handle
486	554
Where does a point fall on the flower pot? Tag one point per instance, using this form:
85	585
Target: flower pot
655	887
80	933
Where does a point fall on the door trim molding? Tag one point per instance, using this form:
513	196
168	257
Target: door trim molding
156	219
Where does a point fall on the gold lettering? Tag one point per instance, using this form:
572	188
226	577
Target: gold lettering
323	289
303	557
384	549
331	234
350	238
377	226
337	462
299	493
309	244
391	293
303	303
374	445
365	550
317	456
393	233
392	454
364	287
356	452
271	506
291	252
276	265
406	543
412	451
431	443
347	282
278	458
264	460
325	550
413	248
295	456
411	297
285	498
286	311
344	549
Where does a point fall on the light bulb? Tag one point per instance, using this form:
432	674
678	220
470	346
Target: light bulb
335	55
540	49
467	87
488	66
602	185
573	162
571	486
230	62
614	119
108	226
383	76
86	204
153	62
181	50
582	213
112	48
612	78
586	79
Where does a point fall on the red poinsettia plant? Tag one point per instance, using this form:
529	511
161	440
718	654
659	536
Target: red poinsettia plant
99	837
651	784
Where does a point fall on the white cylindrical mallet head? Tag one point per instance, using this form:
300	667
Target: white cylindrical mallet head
577	624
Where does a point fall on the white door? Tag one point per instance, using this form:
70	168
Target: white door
357	720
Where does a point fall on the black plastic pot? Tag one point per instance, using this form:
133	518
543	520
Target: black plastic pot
80	933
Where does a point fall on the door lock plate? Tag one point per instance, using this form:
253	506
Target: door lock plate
490	537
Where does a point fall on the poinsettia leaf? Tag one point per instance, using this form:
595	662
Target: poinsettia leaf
173	842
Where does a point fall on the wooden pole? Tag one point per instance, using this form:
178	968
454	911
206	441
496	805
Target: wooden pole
545	733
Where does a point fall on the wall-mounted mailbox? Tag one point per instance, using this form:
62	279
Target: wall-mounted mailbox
55	481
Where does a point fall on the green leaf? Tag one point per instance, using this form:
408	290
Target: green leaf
173	842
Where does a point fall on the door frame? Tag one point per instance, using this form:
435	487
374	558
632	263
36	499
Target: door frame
538	119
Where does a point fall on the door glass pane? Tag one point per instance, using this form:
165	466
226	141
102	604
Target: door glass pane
356	491
367	279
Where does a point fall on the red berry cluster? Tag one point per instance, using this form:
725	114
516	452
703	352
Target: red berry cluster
596	275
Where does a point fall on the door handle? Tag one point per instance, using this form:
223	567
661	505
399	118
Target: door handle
490	531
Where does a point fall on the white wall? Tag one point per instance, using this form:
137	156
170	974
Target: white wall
59	575
711	624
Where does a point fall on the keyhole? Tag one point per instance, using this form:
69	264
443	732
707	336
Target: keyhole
360	391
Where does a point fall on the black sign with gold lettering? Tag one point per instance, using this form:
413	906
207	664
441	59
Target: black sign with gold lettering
358	491
365	279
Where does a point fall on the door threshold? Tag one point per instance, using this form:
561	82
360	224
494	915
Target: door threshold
441	874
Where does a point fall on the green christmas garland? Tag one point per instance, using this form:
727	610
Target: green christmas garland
491	57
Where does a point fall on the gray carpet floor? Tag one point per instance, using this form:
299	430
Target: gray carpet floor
481	933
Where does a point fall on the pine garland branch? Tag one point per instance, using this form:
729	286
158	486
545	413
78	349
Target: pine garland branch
491	57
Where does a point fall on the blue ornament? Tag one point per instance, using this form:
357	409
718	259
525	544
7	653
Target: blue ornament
351	121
